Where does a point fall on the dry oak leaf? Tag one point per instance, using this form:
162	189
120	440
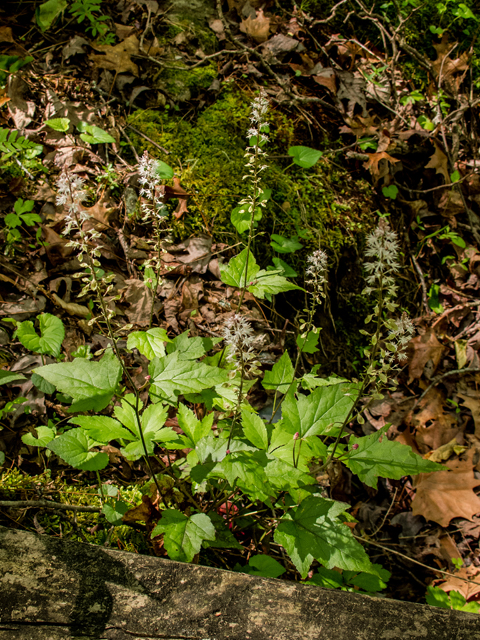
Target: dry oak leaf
439	162
117	58
257	28
433	427
422	349
377	164
471	400
445	67
444	495
469	586
360	126
326	78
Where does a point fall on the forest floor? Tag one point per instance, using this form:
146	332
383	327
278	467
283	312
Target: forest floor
396	124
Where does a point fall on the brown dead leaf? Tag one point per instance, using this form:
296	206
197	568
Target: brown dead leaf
445	68
177	191
56	246
472	401
256	28
464	582
326	78
360	126
421	350
118	58
432	426
439	162
139	299
351	87
100	215
217	27
6	34
378	164
444	495
198	252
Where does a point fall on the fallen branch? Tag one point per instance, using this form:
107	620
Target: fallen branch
46	504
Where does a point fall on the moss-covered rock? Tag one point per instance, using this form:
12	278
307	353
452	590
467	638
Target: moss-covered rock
323	205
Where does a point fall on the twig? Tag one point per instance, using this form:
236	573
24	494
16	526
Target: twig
438	379
46	504
130	144
129	126
425	566
424	286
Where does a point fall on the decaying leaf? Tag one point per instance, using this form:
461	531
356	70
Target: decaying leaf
256	28
423	349
378	164
439	162
177	191
445	68
444	495
472	401
464	582
118	58
444	452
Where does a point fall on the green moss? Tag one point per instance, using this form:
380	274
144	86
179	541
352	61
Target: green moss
324	203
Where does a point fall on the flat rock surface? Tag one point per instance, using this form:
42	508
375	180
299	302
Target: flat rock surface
57	590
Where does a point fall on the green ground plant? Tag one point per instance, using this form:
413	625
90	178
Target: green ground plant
259	473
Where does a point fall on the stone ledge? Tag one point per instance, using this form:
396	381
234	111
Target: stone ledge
57	590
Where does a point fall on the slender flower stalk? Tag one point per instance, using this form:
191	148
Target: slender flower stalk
71	194
315	282
390	338
255	165
153	208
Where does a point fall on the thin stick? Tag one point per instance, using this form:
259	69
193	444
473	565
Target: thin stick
129	126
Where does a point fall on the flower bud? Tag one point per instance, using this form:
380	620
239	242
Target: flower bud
355	446
227	451
296	436
147	378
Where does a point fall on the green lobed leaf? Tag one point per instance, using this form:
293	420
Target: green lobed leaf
309	343
95	135
263	566
371	582
304	157
387	459
10	376
194	428
59	124
150	343
254	429
188	348
44	436
52	333
312	531
268	283
285	245
102	428
47	12
163	170
114	512
224	538
182	535
285	268
91	384
238	273
172	376
74	448
281	376
322	412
